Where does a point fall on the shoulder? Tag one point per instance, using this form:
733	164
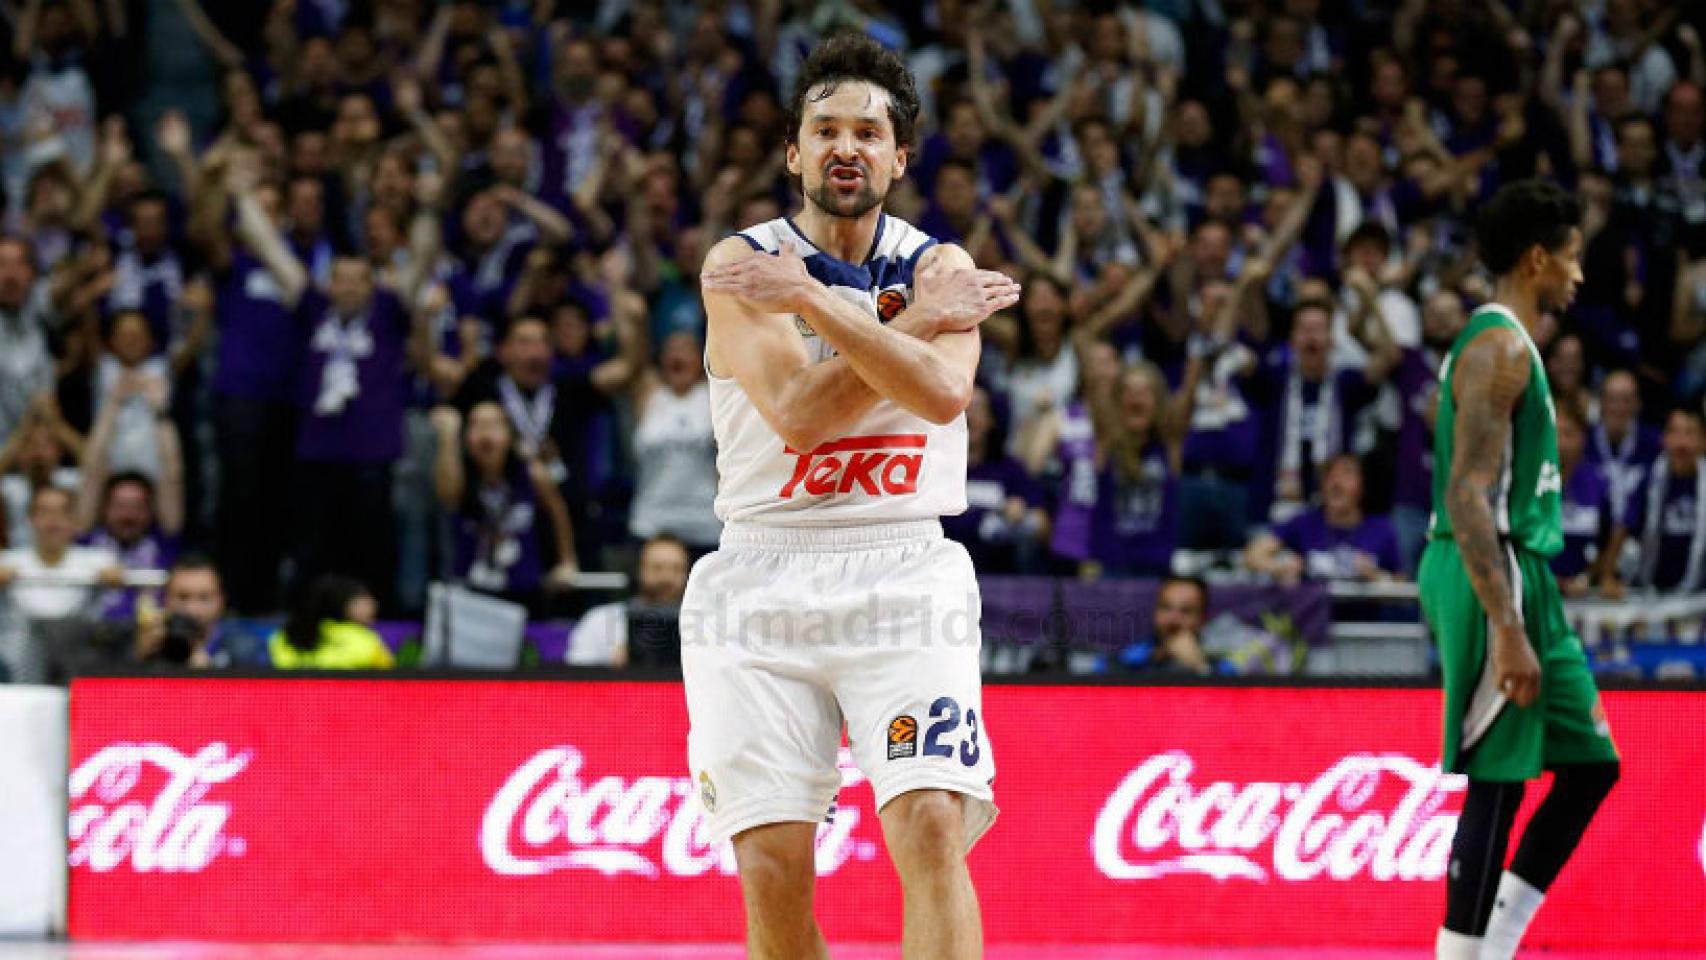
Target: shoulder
765	237
1496	351
949	256
732	248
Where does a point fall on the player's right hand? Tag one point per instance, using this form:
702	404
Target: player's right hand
1515	666
960	300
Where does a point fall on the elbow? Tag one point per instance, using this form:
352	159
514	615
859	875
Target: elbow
947	403
799	433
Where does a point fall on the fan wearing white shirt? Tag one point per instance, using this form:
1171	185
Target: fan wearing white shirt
78	574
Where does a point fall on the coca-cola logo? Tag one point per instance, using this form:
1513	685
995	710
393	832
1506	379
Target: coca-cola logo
549	815
1379	815
113	821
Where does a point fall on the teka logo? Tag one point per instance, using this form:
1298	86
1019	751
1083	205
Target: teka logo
870	464
175	833
548	817
1379	813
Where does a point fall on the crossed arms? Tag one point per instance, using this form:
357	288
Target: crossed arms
924	360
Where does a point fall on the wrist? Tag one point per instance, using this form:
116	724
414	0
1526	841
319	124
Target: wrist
809	299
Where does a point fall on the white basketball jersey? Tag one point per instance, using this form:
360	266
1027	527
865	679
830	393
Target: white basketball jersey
891	466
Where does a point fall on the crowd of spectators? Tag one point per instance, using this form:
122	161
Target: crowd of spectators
350	296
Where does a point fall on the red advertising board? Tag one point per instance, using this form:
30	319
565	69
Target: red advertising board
358	810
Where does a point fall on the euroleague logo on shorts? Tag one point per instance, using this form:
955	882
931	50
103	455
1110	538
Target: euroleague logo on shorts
890	303
876	466
903	737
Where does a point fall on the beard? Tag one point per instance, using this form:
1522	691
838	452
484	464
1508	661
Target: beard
837	204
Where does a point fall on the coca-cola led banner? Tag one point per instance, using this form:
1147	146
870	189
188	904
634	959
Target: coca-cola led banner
357	810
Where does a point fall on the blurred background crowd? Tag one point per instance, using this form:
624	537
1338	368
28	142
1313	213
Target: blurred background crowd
323	301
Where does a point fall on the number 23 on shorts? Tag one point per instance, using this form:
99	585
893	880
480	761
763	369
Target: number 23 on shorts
947	736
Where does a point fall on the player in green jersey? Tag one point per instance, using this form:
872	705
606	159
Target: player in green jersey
1519	697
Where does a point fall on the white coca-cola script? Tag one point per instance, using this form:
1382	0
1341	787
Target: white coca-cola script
549	815
177	830
1374	815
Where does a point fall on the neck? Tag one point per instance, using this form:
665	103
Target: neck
1343	518
844	238
490	472
1567	466
1522	300
1684	466
1614	433
50	553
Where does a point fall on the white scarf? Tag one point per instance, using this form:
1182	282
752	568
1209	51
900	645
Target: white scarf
1658	484
532	418
1324	432
1619	466
340	380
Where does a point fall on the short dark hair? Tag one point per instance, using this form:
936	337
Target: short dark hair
1371	231
1521	216
195	563
857	57
662	539
1344	458
1314	303
1690	411
1196	583
123	477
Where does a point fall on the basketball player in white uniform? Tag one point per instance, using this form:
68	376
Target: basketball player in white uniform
841	349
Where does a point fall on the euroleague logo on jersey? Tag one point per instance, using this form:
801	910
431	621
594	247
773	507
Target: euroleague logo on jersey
878	466
890	303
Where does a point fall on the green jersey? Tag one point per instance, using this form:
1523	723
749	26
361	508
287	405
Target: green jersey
1526	504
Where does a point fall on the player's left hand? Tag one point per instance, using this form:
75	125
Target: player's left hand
773	284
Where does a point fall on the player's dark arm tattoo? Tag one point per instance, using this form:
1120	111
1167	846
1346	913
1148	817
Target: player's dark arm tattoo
1492	372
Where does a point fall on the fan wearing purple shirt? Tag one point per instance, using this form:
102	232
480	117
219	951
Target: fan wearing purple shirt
1140	437
148	274
1620	442
134	524
254	389
1311	403
502	506
1335	541
1587	512
357	346
1417	380
1004	523
1667	512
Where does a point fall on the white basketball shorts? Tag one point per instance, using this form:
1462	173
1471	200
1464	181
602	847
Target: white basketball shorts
787	634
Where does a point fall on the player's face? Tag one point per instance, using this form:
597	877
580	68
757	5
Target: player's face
1561	273
845	152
